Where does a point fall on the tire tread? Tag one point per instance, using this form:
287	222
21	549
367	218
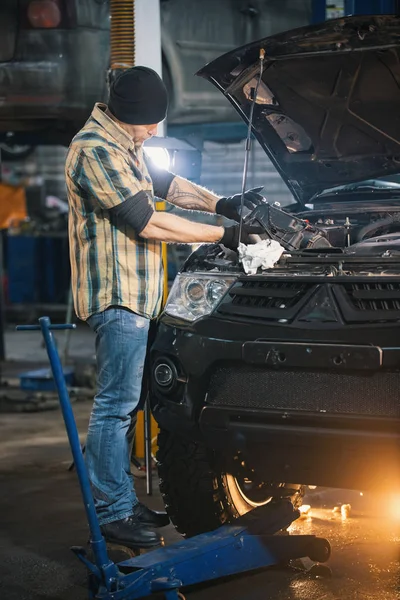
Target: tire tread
192	486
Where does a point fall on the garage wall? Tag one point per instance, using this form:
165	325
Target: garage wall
222	170
43	167
50	166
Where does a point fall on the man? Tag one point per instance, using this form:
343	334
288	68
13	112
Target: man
115	250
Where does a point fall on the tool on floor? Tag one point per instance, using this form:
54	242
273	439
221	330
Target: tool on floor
255	540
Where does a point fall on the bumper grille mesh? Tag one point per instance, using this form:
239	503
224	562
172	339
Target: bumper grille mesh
374	296
265	299
372	394
265	294
276	300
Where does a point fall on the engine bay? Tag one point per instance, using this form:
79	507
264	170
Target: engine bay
344	240
359	233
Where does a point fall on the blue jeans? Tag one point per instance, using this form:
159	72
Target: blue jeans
121	343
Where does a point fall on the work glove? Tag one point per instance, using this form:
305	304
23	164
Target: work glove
230	207
230	239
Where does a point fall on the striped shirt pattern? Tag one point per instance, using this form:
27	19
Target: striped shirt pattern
110	264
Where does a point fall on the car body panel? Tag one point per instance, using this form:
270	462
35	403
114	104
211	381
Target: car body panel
195	33
281	415
295	360
8	29
49	87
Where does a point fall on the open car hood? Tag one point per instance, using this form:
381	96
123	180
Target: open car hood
328	106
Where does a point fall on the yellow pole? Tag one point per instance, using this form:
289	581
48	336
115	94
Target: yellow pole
164	253
122	45
139	438
165	265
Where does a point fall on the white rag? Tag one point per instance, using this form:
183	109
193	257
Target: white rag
264	254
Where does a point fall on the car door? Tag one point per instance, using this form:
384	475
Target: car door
194	33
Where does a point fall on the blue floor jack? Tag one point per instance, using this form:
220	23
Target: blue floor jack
254	541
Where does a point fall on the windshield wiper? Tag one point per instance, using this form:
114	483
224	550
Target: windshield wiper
360	188
380	188
372	185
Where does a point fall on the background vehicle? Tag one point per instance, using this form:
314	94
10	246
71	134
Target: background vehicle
54	60
193	34
291	374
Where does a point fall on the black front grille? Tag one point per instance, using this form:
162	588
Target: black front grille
265	299
331	300
249	386
264	294
374	296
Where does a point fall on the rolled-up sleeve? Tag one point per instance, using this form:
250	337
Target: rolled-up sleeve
106	177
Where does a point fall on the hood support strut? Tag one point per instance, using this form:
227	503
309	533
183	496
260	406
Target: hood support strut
248	140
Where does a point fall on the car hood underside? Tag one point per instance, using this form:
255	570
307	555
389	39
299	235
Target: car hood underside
327	109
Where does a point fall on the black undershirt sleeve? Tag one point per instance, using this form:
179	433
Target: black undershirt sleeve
161	178
135	211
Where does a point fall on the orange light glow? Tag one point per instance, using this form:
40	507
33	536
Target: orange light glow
393	507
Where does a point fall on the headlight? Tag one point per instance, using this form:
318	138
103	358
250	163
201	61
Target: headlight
195	296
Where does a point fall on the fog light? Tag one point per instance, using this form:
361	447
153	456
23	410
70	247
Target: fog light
164	375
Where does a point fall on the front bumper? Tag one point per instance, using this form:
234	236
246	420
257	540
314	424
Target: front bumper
320	413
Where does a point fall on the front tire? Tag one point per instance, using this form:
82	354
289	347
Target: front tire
198	494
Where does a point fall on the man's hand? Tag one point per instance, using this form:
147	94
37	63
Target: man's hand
230	239
230	207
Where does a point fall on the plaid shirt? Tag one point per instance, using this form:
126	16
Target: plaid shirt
110	264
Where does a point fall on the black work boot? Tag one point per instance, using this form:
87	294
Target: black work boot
131	533
151	518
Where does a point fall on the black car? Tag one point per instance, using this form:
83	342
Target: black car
292	374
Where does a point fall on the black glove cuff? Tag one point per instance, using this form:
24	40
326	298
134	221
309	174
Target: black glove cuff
219	207
228	239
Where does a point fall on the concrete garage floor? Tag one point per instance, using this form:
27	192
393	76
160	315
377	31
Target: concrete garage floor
41	516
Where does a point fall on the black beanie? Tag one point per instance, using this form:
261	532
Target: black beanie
138	96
